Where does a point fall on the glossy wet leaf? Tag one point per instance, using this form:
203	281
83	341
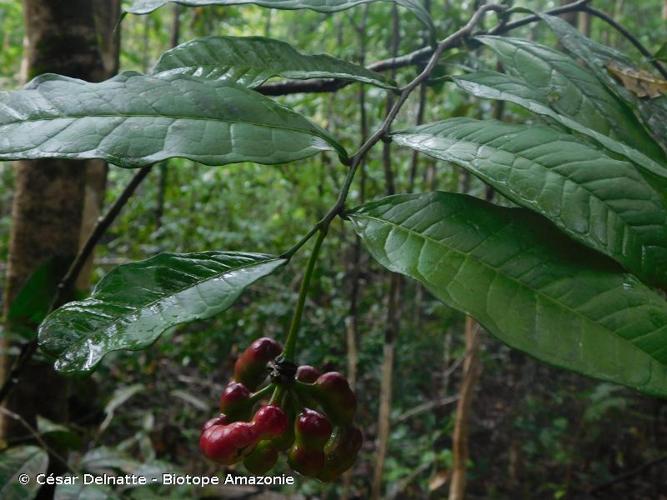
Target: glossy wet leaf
134	120
146	6
525	282
600	201
597	57
250	61
572	90
30	460
135	303
500	86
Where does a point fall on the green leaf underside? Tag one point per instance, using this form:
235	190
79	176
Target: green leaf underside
602	202
572	91
652	111
250	61
134	120
499	86
137	302
147	6
525	282
30	460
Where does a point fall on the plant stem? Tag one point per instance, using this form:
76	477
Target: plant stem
290	343
261	393
277	397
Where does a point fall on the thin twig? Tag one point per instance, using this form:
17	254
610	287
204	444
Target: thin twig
629	36
453	40
416	58
65	286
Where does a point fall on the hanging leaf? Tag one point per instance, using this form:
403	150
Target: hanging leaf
493	85
572	91
525	282
134	120
14	462
135	303
597	57
147	6
250	61
602	202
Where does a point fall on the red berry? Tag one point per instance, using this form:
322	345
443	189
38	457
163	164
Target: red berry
219	420
306	461
234	399
250	368
270	421
227	444
307	374
312	429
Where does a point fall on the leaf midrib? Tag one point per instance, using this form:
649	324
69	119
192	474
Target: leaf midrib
510	278
126	116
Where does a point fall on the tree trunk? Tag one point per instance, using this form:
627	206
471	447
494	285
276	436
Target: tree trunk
471	372
61	37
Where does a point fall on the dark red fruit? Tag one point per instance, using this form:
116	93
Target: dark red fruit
262	458
219	420
336	397
250	368
235	399
308	462
307	374
312	429
341	452
227	444
270	421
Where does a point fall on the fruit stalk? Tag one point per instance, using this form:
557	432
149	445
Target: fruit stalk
290	343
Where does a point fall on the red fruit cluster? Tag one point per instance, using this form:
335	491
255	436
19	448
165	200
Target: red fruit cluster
310	417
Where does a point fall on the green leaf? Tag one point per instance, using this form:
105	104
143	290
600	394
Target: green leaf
29	460
135	303
601	202
525	282
661	53
597	57
134	120
33	302
327	6
250	61
572	91
493	85
56	434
